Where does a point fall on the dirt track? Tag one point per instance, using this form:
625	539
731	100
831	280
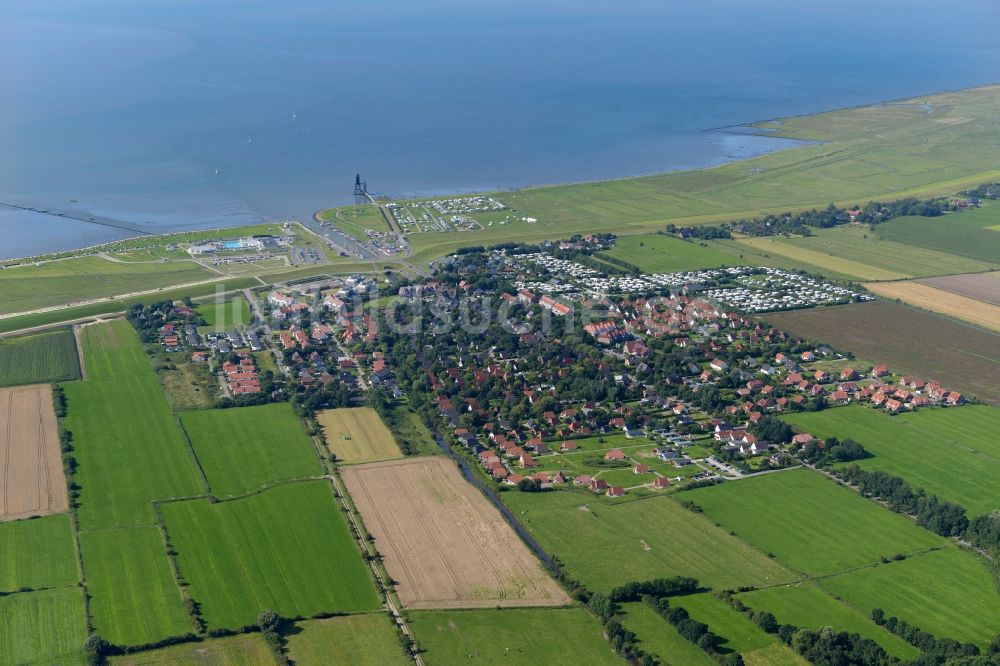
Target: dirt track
32	481
443	543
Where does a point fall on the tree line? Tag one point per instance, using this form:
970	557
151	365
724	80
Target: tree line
947	519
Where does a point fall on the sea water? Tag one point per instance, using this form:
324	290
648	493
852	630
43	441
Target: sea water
182	114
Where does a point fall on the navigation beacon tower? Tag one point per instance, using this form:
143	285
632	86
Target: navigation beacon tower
360	187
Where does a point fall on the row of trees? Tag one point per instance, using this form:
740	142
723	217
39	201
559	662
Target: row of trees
694	631
941	650
944	518
826	646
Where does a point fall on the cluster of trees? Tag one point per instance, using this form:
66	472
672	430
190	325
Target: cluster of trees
984	191
833	451
771	429
658	587
944	518
704	233
149	319
874	212
306	401
825	647
940	650
694	631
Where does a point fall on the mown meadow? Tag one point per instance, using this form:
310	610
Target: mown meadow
953	453
287	549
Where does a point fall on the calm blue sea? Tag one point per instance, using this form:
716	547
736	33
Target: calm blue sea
177	114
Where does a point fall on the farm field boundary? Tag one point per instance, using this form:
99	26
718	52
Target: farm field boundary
39	359
32	480
358	435
980	313
980	286
443	543
909	340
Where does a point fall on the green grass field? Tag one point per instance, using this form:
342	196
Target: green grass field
129	448
965	234
658	637
243	448
874	249
39	359
37	553
511	636
806	605
360	640
741	634
947	593
605	545
70	313
241	650
43	628
953	453
135	599
809	522
59	282
225	314
667	254
287	549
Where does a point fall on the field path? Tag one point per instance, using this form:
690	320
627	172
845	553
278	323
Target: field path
79	349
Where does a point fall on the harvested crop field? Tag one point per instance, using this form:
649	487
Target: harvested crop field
357	435
910	341
442	541
32	482
930	298
980	286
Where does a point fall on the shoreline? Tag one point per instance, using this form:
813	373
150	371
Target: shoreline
752	128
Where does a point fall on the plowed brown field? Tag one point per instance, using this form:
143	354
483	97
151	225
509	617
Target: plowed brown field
442	541
31	474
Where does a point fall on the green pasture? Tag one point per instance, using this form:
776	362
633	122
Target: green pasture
43	628
225	314
129	448
243	448
32	286
775	654
115	305
809	523
657	253
806	605
287	549
37	553
239	650
355	220
740	634
511	636
658	637
874	249
965	234
360	640
605	545
134	598
947	592
39	359
953	453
